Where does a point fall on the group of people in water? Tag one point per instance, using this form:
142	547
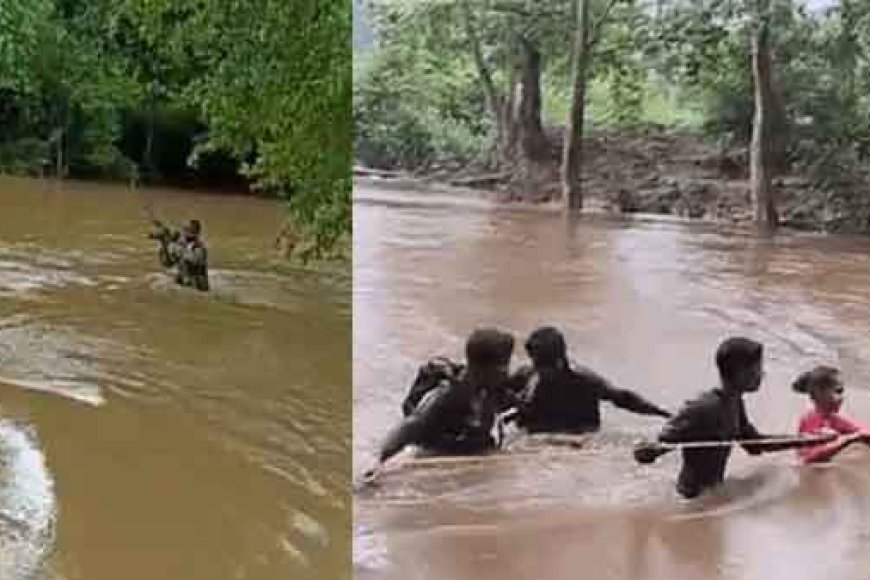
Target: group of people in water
462	408
183	252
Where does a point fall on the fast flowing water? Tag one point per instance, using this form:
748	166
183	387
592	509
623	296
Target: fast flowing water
644	302
148	431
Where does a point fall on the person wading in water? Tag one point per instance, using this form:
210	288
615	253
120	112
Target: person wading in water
718	415
825	388
185	252
457	413
554	396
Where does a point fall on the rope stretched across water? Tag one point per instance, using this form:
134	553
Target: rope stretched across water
575	442
570	444
817	439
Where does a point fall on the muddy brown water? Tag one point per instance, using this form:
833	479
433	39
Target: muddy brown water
645	302
148	431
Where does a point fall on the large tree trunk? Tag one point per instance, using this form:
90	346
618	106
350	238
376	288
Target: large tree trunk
148	152
533	142
508	128
60	137
760	158
780	131
572	154
58	155
531	153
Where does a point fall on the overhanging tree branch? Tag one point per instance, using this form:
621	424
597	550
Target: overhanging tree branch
521	11
595	33
482	69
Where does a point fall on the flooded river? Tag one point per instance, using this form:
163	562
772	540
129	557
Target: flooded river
644	302
148	431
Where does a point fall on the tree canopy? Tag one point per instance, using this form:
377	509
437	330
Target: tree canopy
424	92
106	87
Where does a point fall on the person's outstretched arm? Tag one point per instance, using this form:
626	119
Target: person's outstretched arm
411	429
624	398
687	425
780	443
820	453
402	435
850	432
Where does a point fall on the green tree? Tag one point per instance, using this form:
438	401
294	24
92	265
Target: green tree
267	81
272	79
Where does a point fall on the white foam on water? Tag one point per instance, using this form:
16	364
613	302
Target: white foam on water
42	357
83	392
27	504
370	552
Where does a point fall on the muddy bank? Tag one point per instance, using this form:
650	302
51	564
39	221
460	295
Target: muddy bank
657	172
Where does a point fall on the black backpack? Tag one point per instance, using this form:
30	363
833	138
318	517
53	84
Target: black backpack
430	376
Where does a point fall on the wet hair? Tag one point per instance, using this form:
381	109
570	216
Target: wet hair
546	346
821	377
489	347
735	354
195	227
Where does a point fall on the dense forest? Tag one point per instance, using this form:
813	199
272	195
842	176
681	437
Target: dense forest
250	95
746	109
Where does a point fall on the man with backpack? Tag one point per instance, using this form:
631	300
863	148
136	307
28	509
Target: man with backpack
452	407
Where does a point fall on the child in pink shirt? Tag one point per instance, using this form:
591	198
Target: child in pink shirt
825	389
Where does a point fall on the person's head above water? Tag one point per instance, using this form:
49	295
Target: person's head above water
191	229
739	362
824	386
546	347
488	352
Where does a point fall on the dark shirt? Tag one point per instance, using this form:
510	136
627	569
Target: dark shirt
568	400
452	417
189	257
193	265
713	416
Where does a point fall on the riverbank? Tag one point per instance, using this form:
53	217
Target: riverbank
287	241
648	172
